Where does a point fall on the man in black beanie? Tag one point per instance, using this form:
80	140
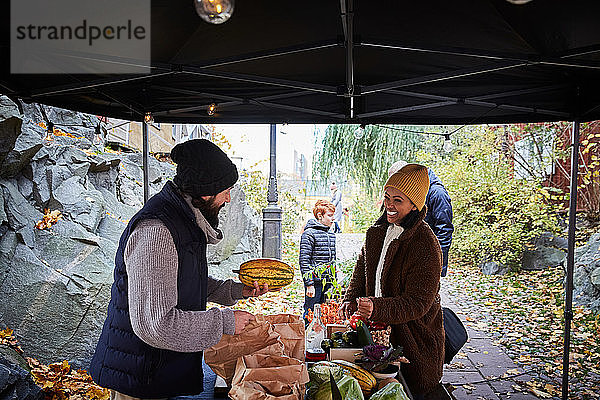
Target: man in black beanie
157	324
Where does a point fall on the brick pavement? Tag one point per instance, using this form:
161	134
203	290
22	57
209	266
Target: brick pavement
479	370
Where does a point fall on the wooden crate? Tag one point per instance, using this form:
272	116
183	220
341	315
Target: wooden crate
344	353
330	328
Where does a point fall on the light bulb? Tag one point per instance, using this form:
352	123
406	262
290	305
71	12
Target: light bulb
519	2
211	109
148	118
448	146
214	11
49	136
359	132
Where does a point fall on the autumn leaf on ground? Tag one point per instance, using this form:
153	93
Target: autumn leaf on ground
49	219
59	382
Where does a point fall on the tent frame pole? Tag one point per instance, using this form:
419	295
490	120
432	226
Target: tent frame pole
145	159
570	258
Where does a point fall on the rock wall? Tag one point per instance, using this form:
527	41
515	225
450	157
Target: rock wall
586	275
55	283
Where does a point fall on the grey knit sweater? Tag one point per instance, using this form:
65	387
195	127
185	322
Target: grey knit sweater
151	262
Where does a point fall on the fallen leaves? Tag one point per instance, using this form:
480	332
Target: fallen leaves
524	312
7	338
57	380
60	382
49	219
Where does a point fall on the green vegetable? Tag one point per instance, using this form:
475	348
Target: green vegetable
391	391
319	372
364	336
326	344
351	338
349	389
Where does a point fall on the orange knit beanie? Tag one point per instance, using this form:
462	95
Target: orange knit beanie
413	181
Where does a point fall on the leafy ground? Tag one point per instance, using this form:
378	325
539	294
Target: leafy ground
524	313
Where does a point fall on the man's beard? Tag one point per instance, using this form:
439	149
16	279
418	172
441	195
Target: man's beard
209	209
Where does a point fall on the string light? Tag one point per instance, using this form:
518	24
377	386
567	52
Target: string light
214	11
212	107
359	132
448	146
49	137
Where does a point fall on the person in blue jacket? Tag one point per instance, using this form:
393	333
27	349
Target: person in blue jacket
317	249
439	211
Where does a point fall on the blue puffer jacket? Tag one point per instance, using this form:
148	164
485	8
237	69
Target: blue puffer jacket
122	361
317	247
439	215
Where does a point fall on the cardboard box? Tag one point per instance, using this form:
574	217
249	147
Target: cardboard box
330	328
342	353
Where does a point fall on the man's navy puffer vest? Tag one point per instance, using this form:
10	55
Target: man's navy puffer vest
122	361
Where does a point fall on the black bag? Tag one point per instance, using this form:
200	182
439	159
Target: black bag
456	334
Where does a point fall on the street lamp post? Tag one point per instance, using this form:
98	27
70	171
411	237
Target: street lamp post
271	243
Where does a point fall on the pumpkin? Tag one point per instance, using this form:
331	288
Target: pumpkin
365	379
274	273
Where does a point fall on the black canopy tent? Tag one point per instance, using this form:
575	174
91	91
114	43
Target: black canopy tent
419	62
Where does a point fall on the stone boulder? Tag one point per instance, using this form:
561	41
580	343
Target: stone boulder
16	382
493	268
59	291
548	251
586	274
8	108
26	145
20	216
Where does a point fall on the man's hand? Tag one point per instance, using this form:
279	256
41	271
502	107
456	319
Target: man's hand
255	291
241	320
310	291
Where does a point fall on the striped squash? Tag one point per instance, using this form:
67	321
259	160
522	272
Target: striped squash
275	273
366	379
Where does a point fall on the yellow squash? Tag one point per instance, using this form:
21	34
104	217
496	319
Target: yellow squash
275	273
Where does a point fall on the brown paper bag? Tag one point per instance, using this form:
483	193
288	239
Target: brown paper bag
291	330
257	336
266	377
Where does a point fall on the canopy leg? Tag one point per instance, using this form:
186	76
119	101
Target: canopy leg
570	258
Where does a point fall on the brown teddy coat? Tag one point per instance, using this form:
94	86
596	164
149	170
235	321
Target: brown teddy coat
410	302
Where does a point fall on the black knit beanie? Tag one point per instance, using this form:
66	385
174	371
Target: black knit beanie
203	169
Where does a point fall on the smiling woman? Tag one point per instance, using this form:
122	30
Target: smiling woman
397	275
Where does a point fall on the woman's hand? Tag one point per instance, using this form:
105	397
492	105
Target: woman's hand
255	291
310	291
344	310
365	307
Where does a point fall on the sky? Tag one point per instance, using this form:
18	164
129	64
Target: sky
251	142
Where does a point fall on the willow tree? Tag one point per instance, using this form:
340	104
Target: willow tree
365	158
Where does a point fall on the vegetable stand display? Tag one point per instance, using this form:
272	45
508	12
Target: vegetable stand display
353	356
